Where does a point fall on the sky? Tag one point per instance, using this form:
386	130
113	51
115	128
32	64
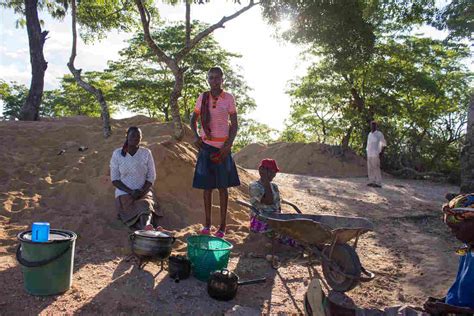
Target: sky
267	63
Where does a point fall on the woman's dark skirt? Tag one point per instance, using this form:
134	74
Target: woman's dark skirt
209	175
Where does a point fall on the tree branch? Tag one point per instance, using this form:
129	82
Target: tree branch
183	52
124	6
188	23
70	64
85	85
145	19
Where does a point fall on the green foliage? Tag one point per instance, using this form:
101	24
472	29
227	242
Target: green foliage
337	28
69	100
292	135
417	88
74	100
251	131
97	17
345	30
56	8
144	85
14	96
458	18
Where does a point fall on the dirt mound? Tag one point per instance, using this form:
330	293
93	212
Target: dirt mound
308	159
72	190
44	177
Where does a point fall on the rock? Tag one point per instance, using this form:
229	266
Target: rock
238	310
401	297
271	258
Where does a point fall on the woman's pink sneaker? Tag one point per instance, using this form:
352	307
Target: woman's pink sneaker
205	231
220	234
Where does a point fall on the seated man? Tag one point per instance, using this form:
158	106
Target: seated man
459	216
265	197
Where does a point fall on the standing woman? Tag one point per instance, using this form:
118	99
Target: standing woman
215	168
132	171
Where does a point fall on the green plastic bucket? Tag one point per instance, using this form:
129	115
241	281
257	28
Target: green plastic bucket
47	266
207	254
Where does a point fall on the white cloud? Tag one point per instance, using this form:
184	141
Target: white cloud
15	72
15	55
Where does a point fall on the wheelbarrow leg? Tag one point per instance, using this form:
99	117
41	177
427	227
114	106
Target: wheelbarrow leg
273	263
333	244
356	240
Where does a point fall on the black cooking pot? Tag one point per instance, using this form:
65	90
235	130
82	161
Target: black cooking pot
179	267
151	244
223	284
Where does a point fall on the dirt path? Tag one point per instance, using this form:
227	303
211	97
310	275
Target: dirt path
410	251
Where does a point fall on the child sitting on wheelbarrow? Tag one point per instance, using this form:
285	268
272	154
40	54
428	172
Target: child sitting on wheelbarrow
265	197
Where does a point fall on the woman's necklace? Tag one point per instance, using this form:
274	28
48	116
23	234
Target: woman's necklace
214	99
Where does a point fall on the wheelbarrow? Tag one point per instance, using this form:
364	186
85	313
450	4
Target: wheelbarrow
327	238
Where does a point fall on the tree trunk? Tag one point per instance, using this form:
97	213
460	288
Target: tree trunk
467	153
167	114
346	139
36	39
357	101
175	94
97	93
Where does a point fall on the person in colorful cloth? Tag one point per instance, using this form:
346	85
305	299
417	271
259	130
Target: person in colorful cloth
215	168
265	197
459	216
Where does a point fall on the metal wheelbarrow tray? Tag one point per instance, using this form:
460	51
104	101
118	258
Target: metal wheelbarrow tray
327	238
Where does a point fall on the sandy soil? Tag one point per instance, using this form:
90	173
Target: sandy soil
306	159
411	251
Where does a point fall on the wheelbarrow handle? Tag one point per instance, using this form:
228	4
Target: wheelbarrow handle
246	204
369	275
292	205
260	280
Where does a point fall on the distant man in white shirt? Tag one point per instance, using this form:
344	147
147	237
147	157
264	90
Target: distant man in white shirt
375	147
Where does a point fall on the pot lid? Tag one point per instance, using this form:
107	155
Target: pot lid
223	275
151	234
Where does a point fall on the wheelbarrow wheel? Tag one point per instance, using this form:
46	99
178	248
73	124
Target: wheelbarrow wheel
342	271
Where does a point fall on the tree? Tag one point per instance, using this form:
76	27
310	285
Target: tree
251	131
458	18
14	96
75	100
174	62
467	153
416	87
145	84
345	30
36	40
